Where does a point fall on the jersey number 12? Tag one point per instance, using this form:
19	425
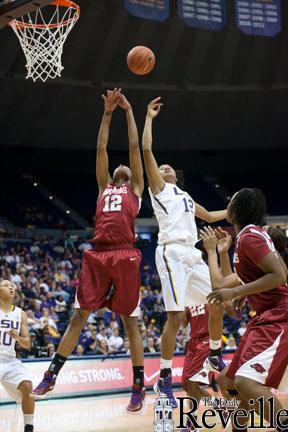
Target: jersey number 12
113	203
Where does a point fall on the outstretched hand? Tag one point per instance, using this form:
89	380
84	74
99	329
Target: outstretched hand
111	100
222	295
154	107
123	102
209	238
224	240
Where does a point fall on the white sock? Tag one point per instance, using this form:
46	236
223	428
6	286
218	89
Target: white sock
215	344
165	364
28	419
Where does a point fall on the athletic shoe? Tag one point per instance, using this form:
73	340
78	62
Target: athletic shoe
29	428
214	363
137	400
46	385
189	427
163	387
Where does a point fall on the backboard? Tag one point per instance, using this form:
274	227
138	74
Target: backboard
11	9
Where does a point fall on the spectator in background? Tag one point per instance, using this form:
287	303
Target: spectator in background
126	346
59	291
47	320
35	349
115	341
231	344
51	349
86	245
103	348
61	304
33	323
80	350
92	342
150	346
241	330
102	334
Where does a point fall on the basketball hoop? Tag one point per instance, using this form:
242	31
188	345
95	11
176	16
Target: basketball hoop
42	35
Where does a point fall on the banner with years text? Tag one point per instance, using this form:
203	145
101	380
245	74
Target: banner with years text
203	14
155	10
258	17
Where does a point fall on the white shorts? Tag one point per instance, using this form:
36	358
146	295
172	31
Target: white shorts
12	374
184	276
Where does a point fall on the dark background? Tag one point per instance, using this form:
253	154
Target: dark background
225	100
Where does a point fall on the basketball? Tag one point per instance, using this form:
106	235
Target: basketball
141	60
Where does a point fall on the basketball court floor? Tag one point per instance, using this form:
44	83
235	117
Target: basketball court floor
93	414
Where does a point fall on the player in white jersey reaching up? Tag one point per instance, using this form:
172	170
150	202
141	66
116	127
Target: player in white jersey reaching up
184	275
13	375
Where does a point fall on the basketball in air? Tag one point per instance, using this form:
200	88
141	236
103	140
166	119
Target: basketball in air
141	60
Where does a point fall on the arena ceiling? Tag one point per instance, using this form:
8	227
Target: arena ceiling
221	90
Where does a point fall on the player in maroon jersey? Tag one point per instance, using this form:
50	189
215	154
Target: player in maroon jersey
261	276
197	351
195	372
111	271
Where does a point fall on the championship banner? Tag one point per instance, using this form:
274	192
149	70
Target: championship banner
155	10
203	14
83	377
258	17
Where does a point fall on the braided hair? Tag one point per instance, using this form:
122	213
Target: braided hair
248	206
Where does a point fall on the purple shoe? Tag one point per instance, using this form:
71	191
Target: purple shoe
214	363
136	403
46	385
163	387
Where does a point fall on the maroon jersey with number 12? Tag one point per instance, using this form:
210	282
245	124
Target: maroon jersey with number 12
111	272
117	209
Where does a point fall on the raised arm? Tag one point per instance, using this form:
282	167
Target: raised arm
209	216
223	246
23	338
218	280
102	163
155	180
134	150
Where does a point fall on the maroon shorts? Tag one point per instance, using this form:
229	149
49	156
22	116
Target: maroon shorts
262	354
197	351
110	278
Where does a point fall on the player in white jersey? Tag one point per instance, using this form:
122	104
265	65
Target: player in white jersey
184	275
13	375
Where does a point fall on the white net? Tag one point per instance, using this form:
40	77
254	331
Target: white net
42	35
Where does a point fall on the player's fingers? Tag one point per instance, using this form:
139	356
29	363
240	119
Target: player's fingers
103	97
202	234
211	231
155	100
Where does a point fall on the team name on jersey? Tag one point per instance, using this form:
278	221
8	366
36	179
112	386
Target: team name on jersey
235	258
116	191
7	323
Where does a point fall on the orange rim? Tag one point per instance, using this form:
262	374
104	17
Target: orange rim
64	3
